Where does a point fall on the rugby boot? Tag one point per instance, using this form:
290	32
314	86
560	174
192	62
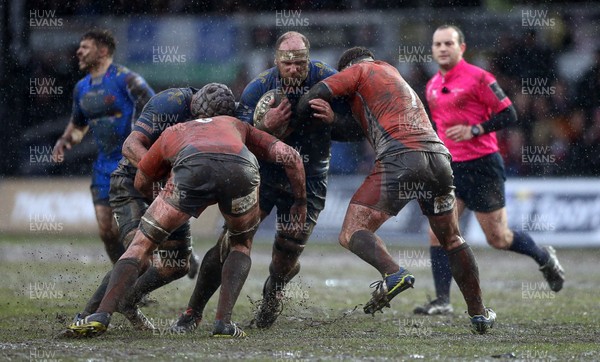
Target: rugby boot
67	333
187	322
434	307
227	330
482	324
91	326
553	272
271	305
388	288
138	320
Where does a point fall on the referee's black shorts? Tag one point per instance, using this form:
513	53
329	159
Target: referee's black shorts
480	183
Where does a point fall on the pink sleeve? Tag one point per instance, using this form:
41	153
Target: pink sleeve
492	95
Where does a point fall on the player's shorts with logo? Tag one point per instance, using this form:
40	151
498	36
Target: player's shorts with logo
480	182
129	206
397	179
202	179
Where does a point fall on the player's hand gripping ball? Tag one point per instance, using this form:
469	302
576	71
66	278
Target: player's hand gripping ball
262	107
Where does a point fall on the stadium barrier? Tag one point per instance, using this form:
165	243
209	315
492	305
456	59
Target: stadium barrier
561	212
61	205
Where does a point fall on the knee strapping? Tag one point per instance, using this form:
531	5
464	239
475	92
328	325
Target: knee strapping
456	250
289	245
153	230
239	236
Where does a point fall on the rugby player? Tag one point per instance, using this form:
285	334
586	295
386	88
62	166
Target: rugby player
409	156
468	106
293	75
169	107
210	161
106	101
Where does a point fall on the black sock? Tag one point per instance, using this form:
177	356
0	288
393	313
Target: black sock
151	280
466	274
235	271
442	274
122	278
524	244
369	248
96	298
209	280
114	249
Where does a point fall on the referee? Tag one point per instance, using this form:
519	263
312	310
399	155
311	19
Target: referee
468	106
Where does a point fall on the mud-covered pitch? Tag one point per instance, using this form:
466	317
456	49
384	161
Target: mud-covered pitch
46	281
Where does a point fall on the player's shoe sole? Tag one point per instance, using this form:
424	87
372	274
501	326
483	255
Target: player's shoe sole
387	289
482	324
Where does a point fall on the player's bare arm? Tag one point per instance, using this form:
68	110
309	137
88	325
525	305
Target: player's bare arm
71	136
135	147
143	183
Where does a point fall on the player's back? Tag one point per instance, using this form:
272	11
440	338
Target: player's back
391	114
218	136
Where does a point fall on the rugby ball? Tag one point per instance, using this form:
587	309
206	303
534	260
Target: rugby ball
262	107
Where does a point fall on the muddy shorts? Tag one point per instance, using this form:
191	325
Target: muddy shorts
201	180
397	179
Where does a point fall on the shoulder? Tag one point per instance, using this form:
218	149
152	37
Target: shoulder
437	77
321	70
125	74
119	69
175	95
81	83
478	72
259	85
264	77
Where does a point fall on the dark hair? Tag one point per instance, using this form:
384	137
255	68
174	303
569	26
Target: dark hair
288	35
102	37
461	35
353	54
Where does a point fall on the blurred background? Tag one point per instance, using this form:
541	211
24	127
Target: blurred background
545	55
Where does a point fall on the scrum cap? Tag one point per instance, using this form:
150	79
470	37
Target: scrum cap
214	99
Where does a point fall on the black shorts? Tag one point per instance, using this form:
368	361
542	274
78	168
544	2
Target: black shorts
282	197
397	179
200	180
129	205
480	183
